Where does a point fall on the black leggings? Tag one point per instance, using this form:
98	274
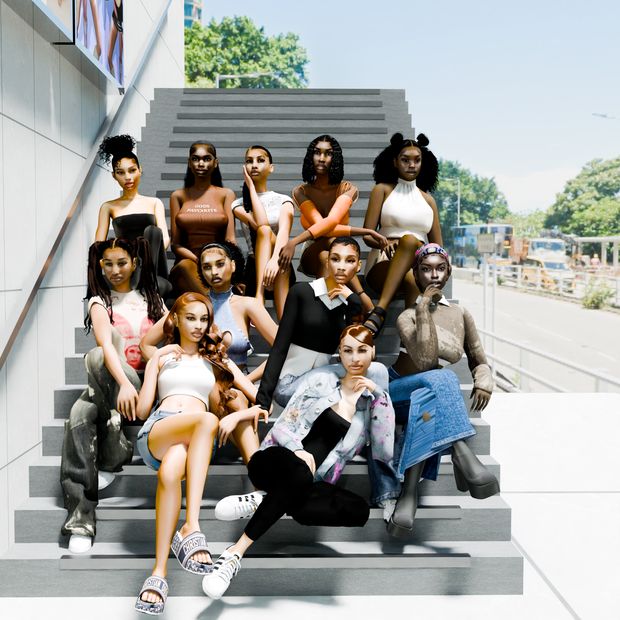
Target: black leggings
291	490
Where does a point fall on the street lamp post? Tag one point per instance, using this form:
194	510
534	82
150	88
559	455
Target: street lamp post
255	74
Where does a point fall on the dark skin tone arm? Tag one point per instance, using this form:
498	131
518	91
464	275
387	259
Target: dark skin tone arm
180	251
378	196
287	252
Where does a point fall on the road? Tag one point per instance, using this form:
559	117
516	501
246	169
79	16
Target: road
590	338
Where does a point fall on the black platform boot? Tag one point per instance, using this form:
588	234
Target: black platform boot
470	474
401	523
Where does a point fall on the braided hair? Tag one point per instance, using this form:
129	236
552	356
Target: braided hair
216	175
335	174
116	148
385	172
211	346
98	286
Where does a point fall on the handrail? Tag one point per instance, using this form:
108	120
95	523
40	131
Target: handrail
33	282
598	376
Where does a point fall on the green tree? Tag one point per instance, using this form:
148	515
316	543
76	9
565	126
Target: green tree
481	200
236	45
590	203
527	224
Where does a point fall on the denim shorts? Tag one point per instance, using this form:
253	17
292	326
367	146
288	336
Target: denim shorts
143	437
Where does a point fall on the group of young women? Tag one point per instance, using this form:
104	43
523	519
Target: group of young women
183	373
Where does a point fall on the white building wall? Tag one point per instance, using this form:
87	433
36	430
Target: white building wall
52	104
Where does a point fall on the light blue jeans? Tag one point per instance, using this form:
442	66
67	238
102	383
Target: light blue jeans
143	437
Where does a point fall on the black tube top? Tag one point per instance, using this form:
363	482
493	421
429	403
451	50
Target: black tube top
132	226
328	429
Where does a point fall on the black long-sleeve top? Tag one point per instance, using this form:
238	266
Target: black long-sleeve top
309	323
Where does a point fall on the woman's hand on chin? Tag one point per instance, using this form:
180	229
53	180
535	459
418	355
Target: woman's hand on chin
363	383
339	289
432	294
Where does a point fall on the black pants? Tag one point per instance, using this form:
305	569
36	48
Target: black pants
155	239
291	490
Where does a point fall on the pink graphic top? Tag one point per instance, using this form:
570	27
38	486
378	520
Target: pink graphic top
131	321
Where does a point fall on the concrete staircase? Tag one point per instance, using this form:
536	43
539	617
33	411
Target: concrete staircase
460	545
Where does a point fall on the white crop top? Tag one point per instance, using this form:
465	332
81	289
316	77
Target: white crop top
272	202
406	212
187	376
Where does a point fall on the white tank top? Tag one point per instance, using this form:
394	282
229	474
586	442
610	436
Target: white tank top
187	376
406	212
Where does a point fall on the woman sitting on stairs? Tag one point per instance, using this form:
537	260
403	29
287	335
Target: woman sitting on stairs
329	419
133	215
191	377
325	200
402	208
94	444
427	398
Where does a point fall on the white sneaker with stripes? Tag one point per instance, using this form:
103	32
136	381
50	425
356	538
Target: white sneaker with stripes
225	568
236	507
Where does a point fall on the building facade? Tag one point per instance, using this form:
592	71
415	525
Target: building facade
192	12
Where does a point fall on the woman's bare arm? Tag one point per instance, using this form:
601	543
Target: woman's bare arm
127	396
176	238
150	340
434	235
378	195
160	218
103	222
229	197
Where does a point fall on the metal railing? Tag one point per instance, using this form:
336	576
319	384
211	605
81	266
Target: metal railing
526	374
561	282
33	283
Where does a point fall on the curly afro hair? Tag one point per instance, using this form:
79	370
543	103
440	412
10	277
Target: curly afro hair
385	172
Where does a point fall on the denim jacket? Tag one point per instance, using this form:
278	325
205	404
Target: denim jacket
372	423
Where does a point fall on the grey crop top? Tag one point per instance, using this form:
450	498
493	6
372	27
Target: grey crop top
187	376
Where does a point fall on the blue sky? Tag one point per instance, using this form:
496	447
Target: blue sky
508	89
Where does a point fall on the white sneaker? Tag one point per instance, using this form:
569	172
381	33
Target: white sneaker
105	479
79	543
236	507
225	568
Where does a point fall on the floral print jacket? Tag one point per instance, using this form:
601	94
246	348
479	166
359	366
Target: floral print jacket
372	424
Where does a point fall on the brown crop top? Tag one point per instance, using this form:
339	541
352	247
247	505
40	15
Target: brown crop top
199	222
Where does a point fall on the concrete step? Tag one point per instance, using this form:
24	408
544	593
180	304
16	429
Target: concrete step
356	145
334	568
304	132
38	520
281	104
138	480
292	93
283	114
